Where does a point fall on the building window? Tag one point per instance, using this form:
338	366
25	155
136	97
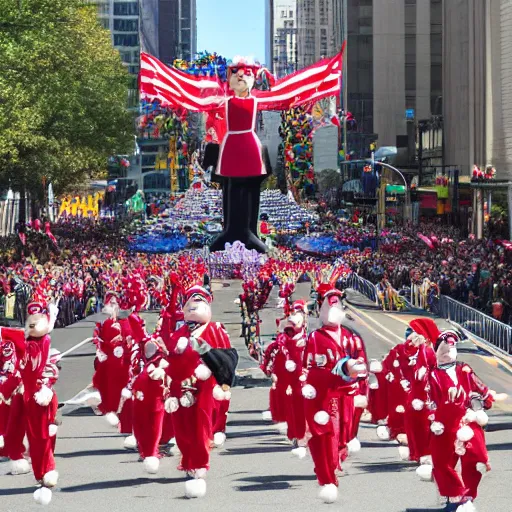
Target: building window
123	25
126	40
126	9
291	14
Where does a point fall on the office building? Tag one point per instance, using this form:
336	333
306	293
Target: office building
281	36
319	33
394	67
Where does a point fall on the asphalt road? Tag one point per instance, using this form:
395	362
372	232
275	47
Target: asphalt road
254	471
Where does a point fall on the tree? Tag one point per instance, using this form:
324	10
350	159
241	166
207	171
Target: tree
63	94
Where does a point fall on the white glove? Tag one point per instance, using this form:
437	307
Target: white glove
101	356
44	396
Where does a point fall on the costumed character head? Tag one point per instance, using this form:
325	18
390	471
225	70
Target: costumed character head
296	320
12	346
446	347
331	310
111	306
242	76
38	323
197	308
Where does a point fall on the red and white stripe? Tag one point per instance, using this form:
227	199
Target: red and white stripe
201	94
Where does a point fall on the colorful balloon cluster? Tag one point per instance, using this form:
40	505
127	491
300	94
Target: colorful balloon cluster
205	64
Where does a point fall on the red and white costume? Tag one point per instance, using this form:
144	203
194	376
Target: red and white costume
12	410
457	399
332	380
39	375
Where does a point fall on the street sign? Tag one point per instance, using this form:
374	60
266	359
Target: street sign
409	113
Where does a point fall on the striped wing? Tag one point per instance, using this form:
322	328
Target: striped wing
318	81
174	88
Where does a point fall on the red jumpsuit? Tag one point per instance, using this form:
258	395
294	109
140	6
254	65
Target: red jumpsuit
216	336
12	415
39	375
325	393
191	392
451	390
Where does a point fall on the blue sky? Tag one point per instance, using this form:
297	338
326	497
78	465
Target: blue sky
232	27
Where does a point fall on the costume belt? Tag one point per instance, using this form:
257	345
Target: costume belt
239	132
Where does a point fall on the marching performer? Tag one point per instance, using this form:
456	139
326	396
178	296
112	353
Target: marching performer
332	373
39	375
457	401
199	374
12	411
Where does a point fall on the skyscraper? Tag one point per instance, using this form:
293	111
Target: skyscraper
319	33
168	29
281	36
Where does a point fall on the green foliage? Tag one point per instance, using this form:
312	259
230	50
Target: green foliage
63	92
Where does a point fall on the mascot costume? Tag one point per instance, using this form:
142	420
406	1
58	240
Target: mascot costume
240	161
333	376
39	375
201	370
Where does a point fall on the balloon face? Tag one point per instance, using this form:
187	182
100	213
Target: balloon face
241	81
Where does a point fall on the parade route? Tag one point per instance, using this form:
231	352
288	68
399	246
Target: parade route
254	471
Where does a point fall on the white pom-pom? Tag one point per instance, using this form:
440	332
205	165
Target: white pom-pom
266	416
187	400
43	496
219	438
309	392
112	419
465	434
2	442
157	374
101	356
171	405
396	363
418	404
20	467
383	433
44	396
321	417
51	478
421	373
425	472
151	465
360	401
403	452
481	418
290	366
328	493
130	443
195	488
354	446
126	393
482	468
282	428
118	352
470	416
400	409
202	372
181	345
52	429
299	452
218	393
375	366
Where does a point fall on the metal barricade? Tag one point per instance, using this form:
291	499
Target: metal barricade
489	329
362	285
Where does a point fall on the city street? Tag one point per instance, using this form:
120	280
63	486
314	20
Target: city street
254	471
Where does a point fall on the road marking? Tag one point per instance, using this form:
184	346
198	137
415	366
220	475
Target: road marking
359	313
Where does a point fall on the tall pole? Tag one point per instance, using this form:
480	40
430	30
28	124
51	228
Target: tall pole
345	78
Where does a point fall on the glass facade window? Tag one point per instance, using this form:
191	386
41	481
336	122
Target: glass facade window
126	39
126	8
123	25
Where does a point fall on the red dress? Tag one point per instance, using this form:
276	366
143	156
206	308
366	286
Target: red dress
240	152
